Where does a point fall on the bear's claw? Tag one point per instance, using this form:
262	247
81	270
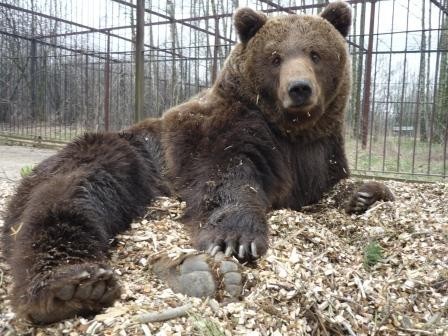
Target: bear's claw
245	252
246	247
366	195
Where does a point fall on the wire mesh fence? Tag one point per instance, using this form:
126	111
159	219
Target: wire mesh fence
69	67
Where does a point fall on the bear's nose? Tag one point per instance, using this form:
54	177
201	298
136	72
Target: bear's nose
300	91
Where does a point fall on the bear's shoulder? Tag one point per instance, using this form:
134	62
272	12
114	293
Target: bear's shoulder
209	113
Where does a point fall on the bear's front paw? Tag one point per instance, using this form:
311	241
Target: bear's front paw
245	246
366	195
66	291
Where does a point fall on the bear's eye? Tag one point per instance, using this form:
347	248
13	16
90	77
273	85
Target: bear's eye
276	59
315	57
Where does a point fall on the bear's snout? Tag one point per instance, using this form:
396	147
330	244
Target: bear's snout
300	92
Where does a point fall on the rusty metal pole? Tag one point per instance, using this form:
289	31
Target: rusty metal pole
215	52
139	65
367	79
33	75
107	86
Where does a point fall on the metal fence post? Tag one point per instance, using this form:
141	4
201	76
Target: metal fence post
367	79
139	66
107	86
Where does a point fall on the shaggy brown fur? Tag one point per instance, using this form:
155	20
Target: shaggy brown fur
267	135
63	216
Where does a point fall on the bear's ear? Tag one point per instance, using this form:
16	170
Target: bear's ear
247	23
339	15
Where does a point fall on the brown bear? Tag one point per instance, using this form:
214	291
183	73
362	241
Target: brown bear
267	135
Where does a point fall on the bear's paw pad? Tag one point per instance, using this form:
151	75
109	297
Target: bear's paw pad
201	275
70	290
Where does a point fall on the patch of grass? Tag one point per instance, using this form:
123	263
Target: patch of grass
206	327
386	158
26	170
373	253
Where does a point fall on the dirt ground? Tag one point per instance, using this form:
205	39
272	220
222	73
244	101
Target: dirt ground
326	273
13	158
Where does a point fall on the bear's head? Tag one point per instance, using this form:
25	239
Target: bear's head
291	67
